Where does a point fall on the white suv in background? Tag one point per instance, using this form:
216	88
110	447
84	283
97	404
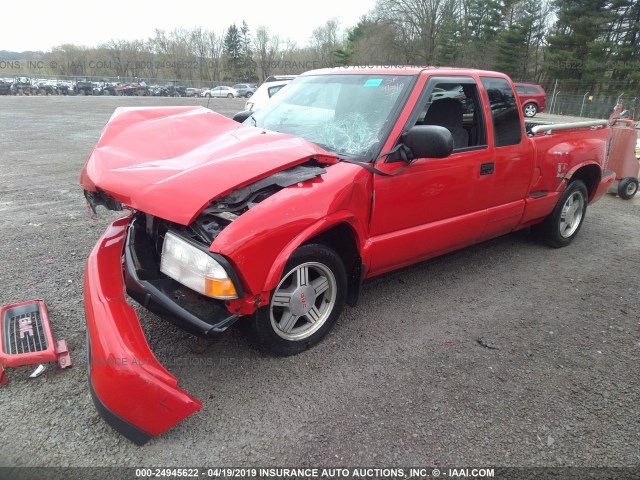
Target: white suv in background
268	89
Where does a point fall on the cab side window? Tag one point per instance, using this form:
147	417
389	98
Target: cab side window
456	107
505	113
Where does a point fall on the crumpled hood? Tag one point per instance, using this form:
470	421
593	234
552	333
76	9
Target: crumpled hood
171	162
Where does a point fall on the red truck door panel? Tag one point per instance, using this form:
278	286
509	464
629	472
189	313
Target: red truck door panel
436	204
512	156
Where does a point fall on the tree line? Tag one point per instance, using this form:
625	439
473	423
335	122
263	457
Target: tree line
586	44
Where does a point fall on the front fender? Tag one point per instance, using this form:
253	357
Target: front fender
320	226
261	240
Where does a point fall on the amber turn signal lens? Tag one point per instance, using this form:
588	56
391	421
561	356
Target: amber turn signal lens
219	288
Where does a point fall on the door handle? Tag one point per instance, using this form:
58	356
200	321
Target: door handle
486	168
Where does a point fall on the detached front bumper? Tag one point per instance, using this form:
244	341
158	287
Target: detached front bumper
132	391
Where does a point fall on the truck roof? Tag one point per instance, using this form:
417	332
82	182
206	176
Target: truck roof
400	70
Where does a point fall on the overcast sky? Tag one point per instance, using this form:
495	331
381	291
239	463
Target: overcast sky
43	24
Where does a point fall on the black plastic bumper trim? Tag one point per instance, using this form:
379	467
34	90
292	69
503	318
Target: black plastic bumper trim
150	295
128	430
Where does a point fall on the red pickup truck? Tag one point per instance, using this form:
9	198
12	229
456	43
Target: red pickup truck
276	221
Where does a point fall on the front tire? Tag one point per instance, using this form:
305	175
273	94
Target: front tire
230	95
306	303
561	227
530	110
627	188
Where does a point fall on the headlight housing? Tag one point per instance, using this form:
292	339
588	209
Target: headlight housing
195	268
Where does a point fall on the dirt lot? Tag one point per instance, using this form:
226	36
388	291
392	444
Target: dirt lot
401	381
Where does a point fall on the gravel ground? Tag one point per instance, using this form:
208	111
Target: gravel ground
400	381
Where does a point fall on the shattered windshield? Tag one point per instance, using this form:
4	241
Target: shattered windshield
346	114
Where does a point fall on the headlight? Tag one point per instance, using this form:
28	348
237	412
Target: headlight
195	269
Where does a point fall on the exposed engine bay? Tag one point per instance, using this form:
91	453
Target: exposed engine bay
221	212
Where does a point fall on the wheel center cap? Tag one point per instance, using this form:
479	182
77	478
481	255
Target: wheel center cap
302	300
570	217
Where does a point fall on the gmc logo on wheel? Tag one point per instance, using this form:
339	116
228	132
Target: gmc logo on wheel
303	302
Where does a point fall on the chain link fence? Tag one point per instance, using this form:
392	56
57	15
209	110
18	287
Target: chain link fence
592	106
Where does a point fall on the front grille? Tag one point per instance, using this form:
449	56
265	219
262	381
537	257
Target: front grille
23	330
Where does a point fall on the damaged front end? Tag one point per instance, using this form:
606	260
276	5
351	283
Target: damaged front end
223	211
154	289
183	190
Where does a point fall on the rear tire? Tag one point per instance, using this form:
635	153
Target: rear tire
530	110
627	188
306	303
561	227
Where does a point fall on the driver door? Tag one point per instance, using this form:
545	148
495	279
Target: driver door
435	205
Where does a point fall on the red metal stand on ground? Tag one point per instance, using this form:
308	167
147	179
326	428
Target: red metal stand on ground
622	158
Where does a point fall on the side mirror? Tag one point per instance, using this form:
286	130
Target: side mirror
242	116
429	141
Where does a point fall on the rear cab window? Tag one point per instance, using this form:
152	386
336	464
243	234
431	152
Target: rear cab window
505	113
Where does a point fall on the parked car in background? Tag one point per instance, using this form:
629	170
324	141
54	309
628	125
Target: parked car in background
174	90
220	92
64	87
245	89
48	87
268	89
23	86
112	89
83	86
533	98
5	87
191	92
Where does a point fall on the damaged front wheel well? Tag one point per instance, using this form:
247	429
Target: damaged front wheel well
342	239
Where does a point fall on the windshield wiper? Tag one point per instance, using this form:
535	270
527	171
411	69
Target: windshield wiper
341	155
398	148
